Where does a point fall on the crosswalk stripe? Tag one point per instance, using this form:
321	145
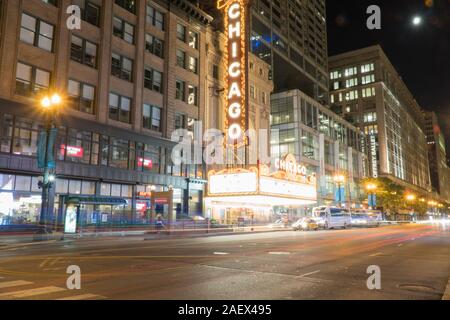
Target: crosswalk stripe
31	292
83	297
10	284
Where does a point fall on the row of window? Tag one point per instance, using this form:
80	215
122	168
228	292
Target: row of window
353	82
351	71
352	95
20	136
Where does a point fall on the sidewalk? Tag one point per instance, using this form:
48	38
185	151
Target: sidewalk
6	239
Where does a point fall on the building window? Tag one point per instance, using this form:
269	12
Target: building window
335	75
181	59
119	108
81	96
121	67
129	5
90	11
193	65
193	40
368	79
83	51
192	95
181	32
351	82
123	30
154	45
152	117
368	92
370	117
367	68
155	18
36	32
153	80
350	71
352	95
31	80
180	92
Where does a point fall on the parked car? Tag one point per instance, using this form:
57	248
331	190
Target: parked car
280	223
305	224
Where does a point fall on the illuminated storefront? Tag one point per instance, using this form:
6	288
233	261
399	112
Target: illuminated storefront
254	192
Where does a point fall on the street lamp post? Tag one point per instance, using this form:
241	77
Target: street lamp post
339	180
411	198
48	105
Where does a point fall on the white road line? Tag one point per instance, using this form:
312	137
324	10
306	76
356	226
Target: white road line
308	274
83	297
11	284
31	292
376	254
221	253
447	292
280	253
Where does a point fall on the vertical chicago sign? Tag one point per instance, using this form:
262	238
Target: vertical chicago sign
236	56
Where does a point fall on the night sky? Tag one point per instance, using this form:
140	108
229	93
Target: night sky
420	53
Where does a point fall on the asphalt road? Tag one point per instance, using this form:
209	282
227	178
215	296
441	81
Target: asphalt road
414	261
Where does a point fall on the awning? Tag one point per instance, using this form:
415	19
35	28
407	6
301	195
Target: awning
77	200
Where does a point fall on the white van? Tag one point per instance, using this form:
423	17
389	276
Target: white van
332	217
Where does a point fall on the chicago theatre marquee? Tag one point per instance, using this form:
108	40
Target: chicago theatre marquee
250	190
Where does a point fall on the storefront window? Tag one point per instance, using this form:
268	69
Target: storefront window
75	187
6	182
62	186
148	158
88	188
23	183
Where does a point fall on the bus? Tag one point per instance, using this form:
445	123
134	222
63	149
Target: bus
332	217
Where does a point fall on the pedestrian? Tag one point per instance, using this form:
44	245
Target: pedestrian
159	223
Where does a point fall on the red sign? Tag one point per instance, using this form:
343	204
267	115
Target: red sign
143	194
146	163
141	206
71	151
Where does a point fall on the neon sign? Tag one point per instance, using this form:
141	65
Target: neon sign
146	163
290	166
236	53
72	151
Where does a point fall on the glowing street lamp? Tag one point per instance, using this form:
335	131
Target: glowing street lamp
410	197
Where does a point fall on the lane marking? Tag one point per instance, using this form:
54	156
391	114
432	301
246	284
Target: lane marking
31	292
11	284
87	296
376	254
280	253
400	245
308	274
221	253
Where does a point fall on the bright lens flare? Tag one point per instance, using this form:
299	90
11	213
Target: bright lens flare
56	99
46	102
417	21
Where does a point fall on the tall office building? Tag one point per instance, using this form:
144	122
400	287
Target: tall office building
437	156
291	36
367	91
